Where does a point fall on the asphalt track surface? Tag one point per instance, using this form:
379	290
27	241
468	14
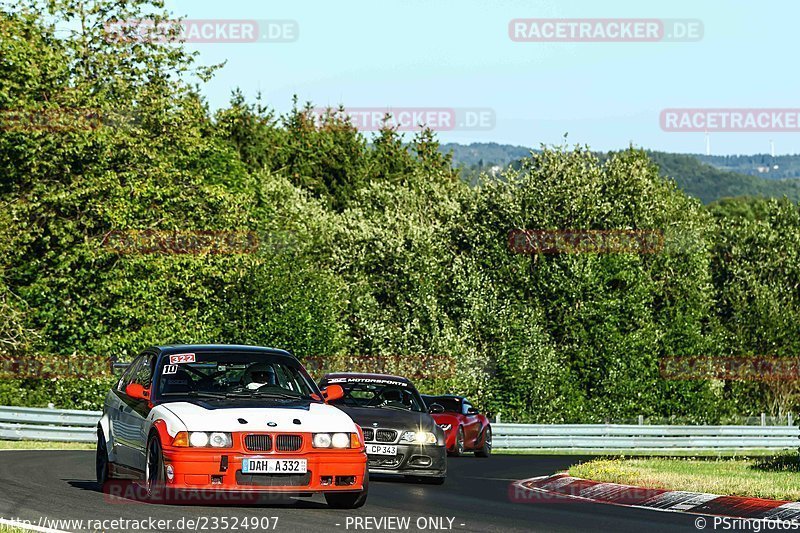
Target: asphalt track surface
59	485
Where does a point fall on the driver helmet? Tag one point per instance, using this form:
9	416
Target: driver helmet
393	395
258	375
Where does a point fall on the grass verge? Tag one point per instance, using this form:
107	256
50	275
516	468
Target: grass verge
774	477
43	445
8	529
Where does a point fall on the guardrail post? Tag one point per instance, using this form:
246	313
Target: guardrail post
763	419
790	419
641	420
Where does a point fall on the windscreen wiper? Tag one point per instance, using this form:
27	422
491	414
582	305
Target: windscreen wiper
276	395
197	394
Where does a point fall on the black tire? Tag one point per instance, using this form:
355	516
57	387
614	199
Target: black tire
101	460
458	450
486	449
155	473
349	500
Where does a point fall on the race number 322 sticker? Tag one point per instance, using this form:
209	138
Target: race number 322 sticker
181	358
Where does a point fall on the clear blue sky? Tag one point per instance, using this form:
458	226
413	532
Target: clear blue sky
458	54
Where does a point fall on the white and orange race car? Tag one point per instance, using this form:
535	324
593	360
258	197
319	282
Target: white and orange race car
226	418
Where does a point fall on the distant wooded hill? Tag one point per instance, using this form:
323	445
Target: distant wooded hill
764	165
709	178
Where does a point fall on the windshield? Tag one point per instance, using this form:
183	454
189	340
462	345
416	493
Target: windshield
233	375
380	396
451	405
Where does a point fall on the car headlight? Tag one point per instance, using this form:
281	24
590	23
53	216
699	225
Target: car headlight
321	440
336	440
340	440
220	440
198	439
446	427
419	437
201	439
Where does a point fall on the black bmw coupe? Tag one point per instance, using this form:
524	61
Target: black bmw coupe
400	434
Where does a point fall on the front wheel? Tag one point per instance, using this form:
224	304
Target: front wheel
101	460
155	473
486	449
349	500
458	449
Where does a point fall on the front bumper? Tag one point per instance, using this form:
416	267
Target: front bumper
221	470
411	460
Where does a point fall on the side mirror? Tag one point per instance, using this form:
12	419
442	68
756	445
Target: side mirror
332	392
137	392
435	408
472	411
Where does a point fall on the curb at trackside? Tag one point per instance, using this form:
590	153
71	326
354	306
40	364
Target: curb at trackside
564	487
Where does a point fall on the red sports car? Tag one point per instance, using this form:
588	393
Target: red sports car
466	429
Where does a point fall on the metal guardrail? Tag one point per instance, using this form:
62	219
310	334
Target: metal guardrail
25	423
642	437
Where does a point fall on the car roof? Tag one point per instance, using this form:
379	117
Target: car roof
181	348
366	375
